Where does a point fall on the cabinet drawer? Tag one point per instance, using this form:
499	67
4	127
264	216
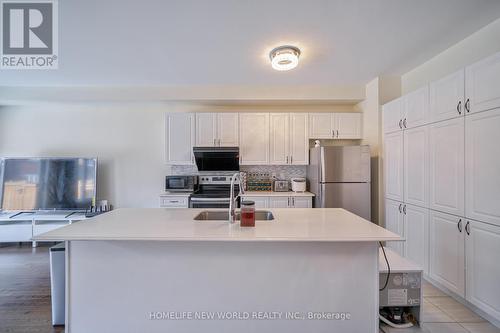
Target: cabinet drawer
16	232
173	201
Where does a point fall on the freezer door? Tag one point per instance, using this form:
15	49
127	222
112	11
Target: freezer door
355	197
345	164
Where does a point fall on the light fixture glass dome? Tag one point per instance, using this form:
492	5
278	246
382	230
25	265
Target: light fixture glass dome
284	58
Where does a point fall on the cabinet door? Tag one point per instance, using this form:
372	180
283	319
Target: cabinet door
228	129
447	251
482	166
416	166
279	138
299	138
179	138
206	129
447	97
417	235
347	125
254	138
416	108
394	221
393	116
393	165
320	126
279	202
260	202
302	202
482	81
483	270
446	148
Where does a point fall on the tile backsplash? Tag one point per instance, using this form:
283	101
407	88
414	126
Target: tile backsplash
280	171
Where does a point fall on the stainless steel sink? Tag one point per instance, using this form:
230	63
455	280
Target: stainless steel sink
222	215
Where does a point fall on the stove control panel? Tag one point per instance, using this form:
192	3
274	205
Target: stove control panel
215	180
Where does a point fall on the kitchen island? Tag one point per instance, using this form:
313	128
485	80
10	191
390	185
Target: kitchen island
159	270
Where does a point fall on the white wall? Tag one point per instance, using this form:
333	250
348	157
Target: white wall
477	46
128	140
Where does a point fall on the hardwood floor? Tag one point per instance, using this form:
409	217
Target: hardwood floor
25	289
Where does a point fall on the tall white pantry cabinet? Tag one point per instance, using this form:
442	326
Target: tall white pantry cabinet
442	180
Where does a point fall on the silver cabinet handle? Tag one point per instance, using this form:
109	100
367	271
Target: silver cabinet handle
214	143
337	134
467	228
287	160
400	208
404	209
401	123
404	122
291	159
288	201
459	225
467	107
459	107
293	199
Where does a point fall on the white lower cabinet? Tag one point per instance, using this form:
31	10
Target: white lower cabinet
260	202
394	221
417	235
483	268
290	202
447	251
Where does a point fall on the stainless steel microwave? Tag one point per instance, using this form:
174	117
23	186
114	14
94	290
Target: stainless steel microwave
181	183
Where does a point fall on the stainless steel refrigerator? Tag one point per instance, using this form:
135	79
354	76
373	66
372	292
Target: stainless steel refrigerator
340	178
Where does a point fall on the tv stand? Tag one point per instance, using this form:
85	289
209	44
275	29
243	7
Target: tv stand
21	226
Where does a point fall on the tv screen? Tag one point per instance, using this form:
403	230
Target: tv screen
47	183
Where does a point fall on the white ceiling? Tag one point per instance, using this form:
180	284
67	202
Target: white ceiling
223	42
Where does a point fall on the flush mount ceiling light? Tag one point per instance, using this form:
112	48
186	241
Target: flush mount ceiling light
284	58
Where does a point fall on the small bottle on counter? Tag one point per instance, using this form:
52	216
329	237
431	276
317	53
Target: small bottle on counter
247	214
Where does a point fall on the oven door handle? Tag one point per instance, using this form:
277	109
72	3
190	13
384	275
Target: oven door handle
210	199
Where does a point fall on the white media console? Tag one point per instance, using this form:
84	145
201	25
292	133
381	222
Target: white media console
23	226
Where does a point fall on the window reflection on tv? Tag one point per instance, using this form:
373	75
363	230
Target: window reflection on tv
48	183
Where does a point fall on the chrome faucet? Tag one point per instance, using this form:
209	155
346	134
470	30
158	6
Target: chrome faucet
232	198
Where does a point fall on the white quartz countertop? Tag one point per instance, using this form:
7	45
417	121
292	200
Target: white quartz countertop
177	224
277	194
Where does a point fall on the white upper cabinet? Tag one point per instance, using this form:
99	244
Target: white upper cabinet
347	125
417	235
335	125
206	129
288	141
416	166
179	138
279	152
447	97
299	138
446	149
394	221
393	166
321	126
228	129
217	129
447	251
416	108
393	116
254	138
482	166
483	271
482	83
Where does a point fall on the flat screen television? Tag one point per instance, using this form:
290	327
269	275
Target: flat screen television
29	184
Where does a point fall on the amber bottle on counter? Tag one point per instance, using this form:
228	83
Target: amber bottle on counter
247	214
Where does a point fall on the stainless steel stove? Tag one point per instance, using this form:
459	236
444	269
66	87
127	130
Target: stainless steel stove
213	192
